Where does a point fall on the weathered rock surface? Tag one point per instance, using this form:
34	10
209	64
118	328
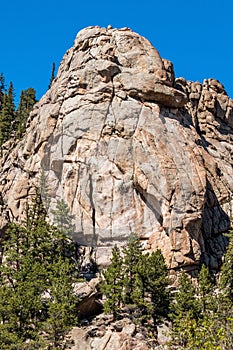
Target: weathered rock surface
130	149
105	334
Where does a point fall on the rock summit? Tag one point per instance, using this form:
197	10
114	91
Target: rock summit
129	148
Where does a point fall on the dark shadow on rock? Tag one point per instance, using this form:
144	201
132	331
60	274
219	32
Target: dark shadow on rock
90	306
215	223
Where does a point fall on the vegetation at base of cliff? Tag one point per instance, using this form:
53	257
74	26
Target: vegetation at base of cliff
201	314
38	305
138	283
40	264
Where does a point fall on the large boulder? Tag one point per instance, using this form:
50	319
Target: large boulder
130	149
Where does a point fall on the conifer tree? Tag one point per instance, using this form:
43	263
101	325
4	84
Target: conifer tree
132	255
112	284
61	305
44	190
2	83
185	298
62	218
7	115
138	281
205	290
2	89
36	284
52	75
157	285
226	276
27	101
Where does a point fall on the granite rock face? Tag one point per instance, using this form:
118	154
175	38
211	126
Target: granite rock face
130	149
105	334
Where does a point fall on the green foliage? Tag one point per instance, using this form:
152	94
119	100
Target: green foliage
2	83
137	281
156	286
205	290
206	333
27	101
62	218
7	115
112	284
52	75
61	304
13	122
186	302
226	277
203	315
132	256
44	190
38	304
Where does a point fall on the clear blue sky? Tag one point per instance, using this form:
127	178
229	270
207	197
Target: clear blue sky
197	36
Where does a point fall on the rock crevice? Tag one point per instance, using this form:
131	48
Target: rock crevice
130	149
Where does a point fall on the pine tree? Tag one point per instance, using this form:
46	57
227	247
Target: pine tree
44	190
132	255
112	284
138	281
27	101
52	75
36	286
2	89
157	283
226	276
2	83
62	218
185	299
205	290
7	115
61	304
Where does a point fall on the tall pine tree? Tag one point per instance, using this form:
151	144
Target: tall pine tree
226	276
112	284
27	101
2	89
36	284
7	115
132	255
52	75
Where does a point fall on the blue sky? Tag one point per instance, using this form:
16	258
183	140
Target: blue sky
196	36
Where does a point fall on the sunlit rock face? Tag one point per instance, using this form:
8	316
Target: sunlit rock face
130	149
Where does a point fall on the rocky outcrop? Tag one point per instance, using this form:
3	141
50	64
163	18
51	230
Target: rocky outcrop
130	149
105	334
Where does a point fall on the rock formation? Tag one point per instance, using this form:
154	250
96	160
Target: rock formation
130	149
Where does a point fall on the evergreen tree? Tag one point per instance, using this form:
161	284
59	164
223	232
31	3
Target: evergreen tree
112	284
186	302
205	290
2	83
157	283
62	218
27	101
61	305
138	281
2	89
132	255
36	284
226	276
44	190
52	75
7	115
